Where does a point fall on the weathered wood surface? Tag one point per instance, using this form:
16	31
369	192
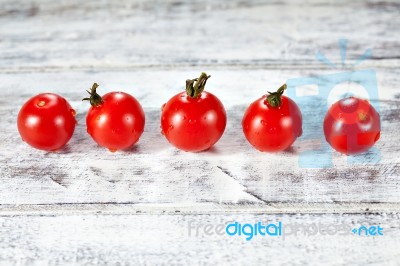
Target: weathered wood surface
53	36
155	172
85	205
165	240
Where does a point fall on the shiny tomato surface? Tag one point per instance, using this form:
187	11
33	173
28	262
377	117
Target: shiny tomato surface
46	122
193	124
117	123
272	129
352	125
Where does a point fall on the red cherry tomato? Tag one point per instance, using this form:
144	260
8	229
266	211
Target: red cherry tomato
352	125
193	120
115	121
273	122
46	122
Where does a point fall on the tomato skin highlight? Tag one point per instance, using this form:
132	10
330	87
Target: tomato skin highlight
117	123
272	129
352	126
46	122
193	124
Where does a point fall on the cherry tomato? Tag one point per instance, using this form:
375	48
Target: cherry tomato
115	120
46	122
352	125
273	122
193	120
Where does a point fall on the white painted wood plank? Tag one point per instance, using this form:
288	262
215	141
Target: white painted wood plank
272	34
235	87
164	240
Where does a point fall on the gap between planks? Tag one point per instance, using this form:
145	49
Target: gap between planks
387	63
196	208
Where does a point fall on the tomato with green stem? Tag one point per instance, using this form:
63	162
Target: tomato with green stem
115	120
273	122
193	120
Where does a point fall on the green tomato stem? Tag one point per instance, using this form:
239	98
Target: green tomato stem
94	99
194	87
274	98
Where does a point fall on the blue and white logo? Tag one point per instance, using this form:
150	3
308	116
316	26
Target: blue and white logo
316	94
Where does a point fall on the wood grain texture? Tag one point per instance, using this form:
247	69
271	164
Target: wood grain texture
44	35
7	210
155	172
86	206
165	240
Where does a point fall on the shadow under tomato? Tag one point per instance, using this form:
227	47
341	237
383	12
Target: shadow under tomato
63	150
133	149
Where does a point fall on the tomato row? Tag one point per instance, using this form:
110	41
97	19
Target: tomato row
194	120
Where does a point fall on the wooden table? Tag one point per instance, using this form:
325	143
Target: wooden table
85	205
